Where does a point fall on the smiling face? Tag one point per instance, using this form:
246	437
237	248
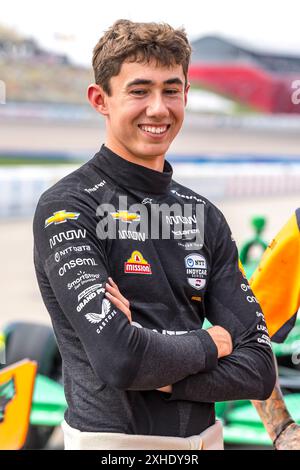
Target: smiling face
145	110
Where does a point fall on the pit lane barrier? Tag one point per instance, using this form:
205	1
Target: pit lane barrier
217	177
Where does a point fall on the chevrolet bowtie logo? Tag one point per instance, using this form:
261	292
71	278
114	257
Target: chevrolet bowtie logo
60	217
126	216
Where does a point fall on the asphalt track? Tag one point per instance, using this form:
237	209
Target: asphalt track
193	139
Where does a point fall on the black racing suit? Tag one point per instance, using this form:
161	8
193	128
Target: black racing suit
111	368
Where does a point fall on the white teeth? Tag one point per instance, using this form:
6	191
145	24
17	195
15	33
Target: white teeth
154	130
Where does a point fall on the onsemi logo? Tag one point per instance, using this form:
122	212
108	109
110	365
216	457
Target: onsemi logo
137	264
60	217
126	216
76	262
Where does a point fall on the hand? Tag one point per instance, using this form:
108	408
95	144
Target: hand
222	340
115	297
289	439
166	389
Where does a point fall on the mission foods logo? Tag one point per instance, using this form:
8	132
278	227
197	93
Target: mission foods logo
196	270
137	264
60	217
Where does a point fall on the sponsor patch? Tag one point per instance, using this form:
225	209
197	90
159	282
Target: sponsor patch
67	251
132	235
61	217
137	264
98	317
198	299
101	319
196	270
83	278
189	197
245	287
96	187
90	294
89	290
126	216
67	236
241	268
181	219
147	200
76	262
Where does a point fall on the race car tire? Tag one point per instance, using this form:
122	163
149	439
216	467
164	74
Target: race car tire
36	342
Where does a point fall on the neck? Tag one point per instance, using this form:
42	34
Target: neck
153	163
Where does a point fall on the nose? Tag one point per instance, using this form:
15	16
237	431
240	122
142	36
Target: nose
157	107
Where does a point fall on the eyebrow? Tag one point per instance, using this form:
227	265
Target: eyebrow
143	81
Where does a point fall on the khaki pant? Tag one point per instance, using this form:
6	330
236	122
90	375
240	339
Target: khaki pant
210	439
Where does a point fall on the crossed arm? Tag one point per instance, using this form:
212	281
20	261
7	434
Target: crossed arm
219	335
284	432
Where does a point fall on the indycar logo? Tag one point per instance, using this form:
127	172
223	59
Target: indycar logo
126	216
60	217
137	264
196	270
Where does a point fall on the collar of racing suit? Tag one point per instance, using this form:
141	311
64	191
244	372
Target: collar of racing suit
131	175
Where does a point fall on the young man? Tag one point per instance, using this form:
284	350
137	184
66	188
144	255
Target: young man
105	220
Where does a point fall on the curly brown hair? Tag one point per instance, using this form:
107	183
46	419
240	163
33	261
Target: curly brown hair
138	42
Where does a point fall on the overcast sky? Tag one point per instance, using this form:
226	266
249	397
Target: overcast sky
75	26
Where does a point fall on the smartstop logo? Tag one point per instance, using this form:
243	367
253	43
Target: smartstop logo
184	223
296	93
2	92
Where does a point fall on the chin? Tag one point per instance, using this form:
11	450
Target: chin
154	150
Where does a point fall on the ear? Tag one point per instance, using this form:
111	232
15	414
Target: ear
97	97
188	86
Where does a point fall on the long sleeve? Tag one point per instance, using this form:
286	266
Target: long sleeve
249	372
76	264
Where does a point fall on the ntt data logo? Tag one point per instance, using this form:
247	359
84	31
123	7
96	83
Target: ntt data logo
2	92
